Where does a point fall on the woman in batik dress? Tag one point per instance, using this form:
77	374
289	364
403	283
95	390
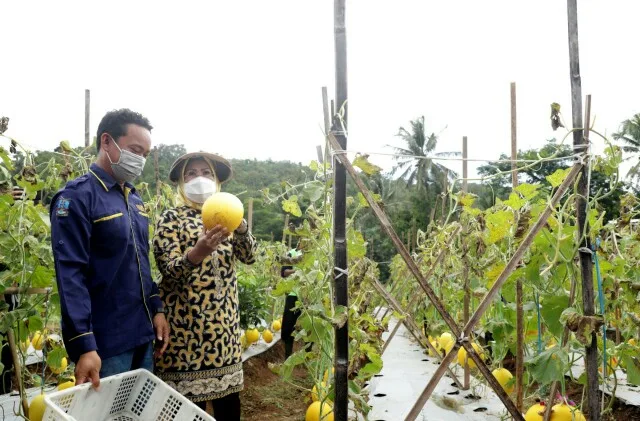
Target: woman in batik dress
203	360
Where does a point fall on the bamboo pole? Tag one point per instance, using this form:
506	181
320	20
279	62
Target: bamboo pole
87	111
24	290
284	230
18	371
519	309
579	145
340	277
250	215
327	125
465	259
14	354
320	156
509	268
156	169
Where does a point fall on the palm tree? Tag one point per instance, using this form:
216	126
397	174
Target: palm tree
416	163
415	159
629	134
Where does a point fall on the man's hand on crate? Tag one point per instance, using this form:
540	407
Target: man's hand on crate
88	369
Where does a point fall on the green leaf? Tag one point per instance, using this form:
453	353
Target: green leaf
632	365
290	205
283	287
549	365
551	308
466	199
528	191
515	202
558	177
363	201
355	244
297	358
65	146
54	357
35	323
314	191
318	330
314	165
42	277
499	224
362	162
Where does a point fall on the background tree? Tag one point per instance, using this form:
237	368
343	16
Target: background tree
629	135
416	166
601	183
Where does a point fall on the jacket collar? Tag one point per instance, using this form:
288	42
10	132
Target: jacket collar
106	180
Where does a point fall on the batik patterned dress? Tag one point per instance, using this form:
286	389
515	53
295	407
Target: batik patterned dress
203	360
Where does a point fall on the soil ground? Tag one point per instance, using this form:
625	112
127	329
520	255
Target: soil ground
266	397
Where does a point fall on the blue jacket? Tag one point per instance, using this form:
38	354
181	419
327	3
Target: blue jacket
100	242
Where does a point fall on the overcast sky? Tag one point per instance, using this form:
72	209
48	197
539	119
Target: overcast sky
244	78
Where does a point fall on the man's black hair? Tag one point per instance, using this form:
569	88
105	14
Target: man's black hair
115	123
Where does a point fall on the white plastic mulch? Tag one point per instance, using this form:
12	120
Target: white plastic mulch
627	393
406	372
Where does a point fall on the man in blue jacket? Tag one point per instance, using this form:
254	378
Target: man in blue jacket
111	310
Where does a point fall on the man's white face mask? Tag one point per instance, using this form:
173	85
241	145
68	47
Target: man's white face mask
200	189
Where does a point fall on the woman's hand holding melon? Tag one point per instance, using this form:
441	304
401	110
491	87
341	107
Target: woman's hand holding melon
207	243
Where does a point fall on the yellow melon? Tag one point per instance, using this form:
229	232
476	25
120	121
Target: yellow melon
222	209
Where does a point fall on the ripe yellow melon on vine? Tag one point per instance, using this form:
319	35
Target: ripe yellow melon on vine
563	412
36	408
276	325
315	396
267	336
462	355
38	341
61	368
222	209
445	339
66	385
252	335
533	413
313	412
504	377
325	378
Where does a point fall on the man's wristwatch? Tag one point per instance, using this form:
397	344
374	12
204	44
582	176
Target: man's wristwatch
160	310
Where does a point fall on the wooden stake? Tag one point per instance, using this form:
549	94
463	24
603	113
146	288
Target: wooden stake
87	111
284	230
340	276
580	144
319	152
18	371
327	124
519	310
465	260
250	215
156	169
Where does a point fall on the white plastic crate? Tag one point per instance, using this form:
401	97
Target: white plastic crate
132	396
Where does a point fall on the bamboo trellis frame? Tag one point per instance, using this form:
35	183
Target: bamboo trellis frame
461	334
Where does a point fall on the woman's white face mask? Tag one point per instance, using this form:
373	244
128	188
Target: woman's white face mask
200	189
